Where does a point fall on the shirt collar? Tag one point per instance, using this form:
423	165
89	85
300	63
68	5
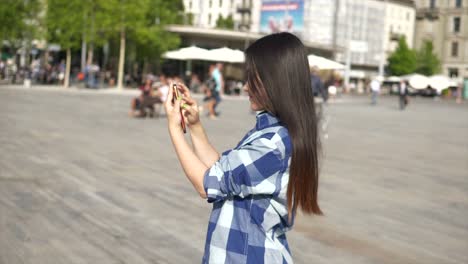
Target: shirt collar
264	120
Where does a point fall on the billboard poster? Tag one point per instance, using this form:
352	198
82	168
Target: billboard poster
280	16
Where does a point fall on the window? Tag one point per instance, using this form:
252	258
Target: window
453	72
220	3
456	24
190	5
209	19
210	3
458	3
432	3
407	16
454	51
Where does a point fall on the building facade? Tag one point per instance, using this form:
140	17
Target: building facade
445	23
318	19
377	24
361	21
399	21
205	13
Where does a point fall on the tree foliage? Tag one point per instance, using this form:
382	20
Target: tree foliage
143	22
403	60
64	22
225	23
427	62
19	21
152	39
97	22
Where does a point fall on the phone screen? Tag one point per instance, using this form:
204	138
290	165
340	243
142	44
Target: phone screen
175	95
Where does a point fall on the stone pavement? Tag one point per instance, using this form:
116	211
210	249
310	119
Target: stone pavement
81	182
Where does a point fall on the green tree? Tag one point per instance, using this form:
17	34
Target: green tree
143	21
403	60
118	17
63	22
427	61
153	40
19	23
226	23
94	32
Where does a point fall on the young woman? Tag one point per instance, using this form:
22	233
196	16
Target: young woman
257	187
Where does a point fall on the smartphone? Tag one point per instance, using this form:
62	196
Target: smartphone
175	95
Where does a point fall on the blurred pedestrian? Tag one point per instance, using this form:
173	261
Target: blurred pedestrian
92	72
2	69
403	94
257	187
209	88
13	69
375	90
331	86
318	86
219	89
61	72
195	83
163	88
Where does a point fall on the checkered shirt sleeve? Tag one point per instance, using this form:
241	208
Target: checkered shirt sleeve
247	170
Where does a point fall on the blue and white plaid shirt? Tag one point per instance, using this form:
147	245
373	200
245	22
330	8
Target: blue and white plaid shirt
247	187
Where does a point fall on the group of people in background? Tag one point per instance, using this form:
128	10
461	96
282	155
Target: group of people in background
53	72
328	89
403	93
12	73
154	91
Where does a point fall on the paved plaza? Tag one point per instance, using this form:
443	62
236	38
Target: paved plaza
81	182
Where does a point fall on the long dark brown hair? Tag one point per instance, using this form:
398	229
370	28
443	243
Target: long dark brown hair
278	77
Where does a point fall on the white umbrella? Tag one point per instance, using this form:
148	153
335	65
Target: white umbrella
226	55
416	81
439	82
323	63
453	83
189	53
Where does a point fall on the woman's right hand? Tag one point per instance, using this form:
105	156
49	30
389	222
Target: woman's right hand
189	106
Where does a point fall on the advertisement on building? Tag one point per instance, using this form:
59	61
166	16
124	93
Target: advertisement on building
279	16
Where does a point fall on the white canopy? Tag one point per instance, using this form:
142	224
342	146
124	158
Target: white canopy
417	81
439	82
226	54
323	63
195	53
189	53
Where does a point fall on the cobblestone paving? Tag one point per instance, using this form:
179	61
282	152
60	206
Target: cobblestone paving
81	182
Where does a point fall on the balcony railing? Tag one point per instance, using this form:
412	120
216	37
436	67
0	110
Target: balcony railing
429	13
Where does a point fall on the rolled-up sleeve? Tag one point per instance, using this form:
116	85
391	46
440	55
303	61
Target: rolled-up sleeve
254	168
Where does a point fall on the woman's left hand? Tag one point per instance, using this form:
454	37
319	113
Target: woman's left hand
189	106
174	117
